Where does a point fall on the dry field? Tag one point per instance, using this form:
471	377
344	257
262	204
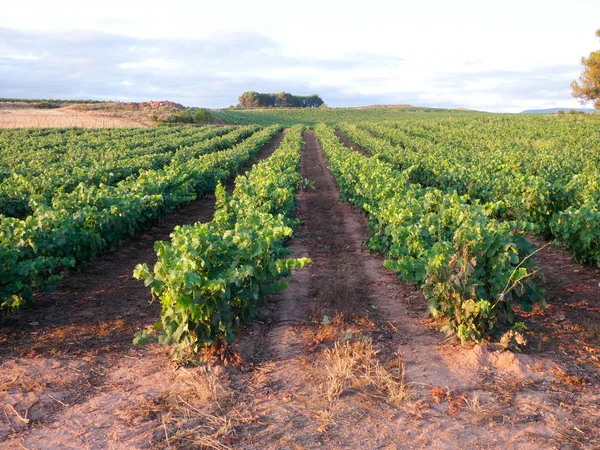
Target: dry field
60	118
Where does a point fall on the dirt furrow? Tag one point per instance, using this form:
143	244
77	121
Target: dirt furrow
348	143
68	363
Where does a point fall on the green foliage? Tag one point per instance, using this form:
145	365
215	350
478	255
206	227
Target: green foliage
190	115
201	115
587	88
252	99
39	166
313	116
579	229
47	105
79	225
212	276
530	169
470	267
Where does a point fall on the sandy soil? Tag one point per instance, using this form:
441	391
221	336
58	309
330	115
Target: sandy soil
344	358
60	118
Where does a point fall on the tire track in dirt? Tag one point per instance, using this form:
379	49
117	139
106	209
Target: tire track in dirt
71	351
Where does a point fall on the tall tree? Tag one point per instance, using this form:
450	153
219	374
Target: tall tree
588	87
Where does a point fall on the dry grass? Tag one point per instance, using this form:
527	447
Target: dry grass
200	412
353	364
327	417
147	409
481	412
190	426
568	379
391	380
332	329
20	380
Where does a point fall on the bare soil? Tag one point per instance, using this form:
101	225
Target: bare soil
348	143
144	112
569	328
344	358
61	118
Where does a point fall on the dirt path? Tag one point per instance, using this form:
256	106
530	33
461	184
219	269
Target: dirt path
68	363
285	381
569	328
348	143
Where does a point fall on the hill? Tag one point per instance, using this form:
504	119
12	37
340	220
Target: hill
555	110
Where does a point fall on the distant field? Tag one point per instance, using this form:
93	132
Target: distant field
330	116
56	118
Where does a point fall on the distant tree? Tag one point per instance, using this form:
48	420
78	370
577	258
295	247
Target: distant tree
201	115
284	99
588	87
253	99
249	99
561	112
314	101
266	100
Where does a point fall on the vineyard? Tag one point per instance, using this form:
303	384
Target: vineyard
314	116
317	277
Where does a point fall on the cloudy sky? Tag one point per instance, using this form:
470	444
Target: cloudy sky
503	56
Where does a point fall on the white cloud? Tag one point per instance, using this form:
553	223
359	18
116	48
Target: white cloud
161	64
439	53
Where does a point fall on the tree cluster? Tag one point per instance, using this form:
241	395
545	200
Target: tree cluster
588	87
252	99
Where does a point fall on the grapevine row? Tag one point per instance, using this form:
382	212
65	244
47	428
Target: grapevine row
212	276
78	226
23	189
471	268
560	194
